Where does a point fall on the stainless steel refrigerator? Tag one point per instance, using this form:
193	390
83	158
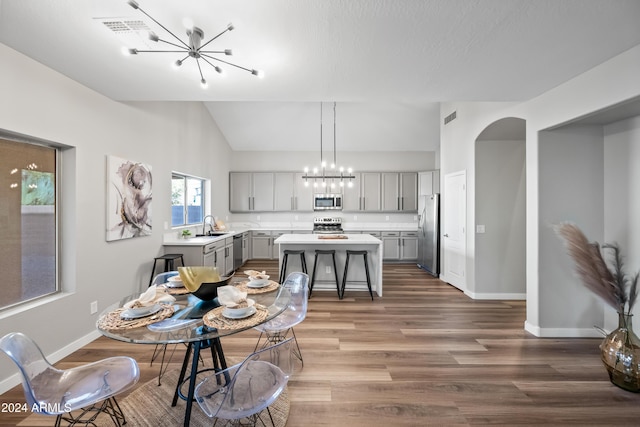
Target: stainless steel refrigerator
429	233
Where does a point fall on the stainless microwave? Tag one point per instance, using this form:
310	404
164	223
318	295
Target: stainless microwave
323	202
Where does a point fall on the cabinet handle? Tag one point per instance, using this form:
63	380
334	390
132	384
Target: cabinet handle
446	235
215	257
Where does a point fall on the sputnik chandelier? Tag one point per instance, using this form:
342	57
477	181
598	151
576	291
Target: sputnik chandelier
193	48
335	173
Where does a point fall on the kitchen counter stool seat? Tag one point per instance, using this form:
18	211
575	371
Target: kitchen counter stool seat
346	269
169	264
285	258
331	252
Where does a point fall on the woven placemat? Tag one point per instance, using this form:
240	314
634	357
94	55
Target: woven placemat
272	286
215	319
112	320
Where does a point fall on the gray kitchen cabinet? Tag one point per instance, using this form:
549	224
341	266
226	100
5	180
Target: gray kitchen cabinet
290	193
351	195
228	256
370	199
390	245
260	245
245	247
400	191
428	183
408	245
219	259
251	191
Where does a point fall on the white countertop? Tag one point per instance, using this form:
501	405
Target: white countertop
314	239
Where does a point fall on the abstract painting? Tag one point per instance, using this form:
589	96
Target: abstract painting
129	191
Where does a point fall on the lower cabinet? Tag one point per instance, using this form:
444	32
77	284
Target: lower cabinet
399	245
262	246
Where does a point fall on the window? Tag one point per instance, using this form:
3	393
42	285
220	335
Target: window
28	221
187	199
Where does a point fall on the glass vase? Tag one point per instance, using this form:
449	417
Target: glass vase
621	355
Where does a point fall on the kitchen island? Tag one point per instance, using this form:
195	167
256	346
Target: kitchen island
325	279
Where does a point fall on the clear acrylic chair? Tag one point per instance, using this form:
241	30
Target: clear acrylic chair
240	393
277	329
88	390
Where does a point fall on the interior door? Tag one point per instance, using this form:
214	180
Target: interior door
454	236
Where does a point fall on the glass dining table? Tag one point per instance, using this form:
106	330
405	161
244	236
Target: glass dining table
195	323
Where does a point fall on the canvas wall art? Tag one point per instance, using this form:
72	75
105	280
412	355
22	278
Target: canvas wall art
129	195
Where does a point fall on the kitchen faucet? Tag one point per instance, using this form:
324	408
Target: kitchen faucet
204	223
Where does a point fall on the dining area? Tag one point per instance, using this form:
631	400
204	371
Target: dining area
186	313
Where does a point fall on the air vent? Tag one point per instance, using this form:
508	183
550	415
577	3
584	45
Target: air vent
450	117
132	33
124	26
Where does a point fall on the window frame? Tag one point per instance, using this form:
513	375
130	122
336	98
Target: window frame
57	207
185	211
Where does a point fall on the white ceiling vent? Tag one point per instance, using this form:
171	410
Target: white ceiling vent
132	32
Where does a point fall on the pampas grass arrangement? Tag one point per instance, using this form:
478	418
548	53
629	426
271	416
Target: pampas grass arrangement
607	280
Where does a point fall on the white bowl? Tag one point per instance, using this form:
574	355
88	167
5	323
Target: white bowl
234	311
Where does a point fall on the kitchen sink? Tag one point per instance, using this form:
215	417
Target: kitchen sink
213	234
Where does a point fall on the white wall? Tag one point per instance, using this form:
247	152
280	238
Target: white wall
169	136
622	195
500	208
608	84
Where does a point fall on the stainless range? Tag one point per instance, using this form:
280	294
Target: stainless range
327	225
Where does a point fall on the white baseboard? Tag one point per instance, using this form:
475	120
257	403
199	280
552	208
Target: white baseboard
561	332
12	381
497	296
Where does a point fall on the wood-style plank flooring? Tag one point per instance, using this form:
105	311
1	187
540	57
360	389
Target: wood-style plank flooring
424	354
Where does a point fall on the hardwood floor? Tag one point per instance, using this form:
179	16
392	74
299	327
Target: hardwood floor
422	354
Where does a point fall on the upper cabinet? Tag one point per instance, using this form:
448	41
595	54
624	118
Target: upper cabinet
251	191
428	183
290	192
400	191
286	192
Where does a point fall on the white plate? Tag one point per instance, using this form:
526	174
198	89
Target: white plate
261	283
250	312
130	314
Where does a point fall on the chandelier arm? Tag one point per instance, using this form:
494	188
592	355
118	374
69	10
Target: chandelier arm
225	62
163	27
160	51
207	61
173	44
200	70
200	51
214	37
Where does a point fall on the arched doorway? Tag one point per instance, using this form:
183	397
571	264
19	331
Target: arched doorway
500	211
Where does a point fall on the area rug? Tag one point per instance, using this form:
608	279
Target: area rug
150	406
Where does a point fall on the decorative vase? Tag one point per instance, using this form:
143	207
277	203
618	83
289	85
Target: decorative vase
621	355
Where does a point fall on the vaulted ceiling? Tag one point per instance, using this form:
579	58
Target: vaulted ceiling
387	63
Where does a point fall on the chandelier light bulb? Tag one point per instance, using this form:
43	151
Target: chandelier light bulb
333	185
258	73
341	183
350	184
333	166
350	171
153	36
323	164
204	84
306	183
315	185
324	184
177	64
315	171
341	169
306	169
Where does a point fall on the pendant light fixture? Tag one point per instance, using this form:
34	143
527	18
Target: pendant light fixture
192	48
319	176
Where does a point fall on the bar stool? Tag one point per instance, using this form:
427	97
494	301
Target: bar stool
315	264
168	264
283	269
366	269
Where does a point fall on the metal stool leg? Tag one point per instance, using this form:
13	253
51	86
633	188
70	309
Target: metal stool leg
344	276
335	273
313	275
283	268
366	270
